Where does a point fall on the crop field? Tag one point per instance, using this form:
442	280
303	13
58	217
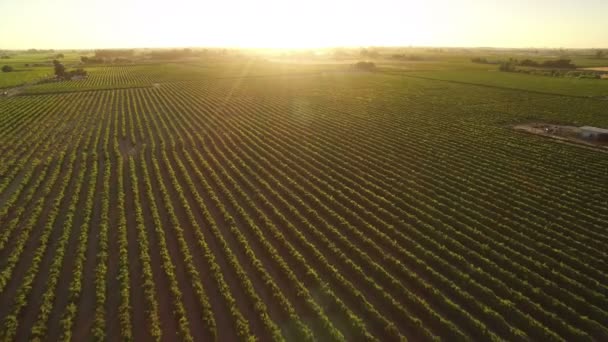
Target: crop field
563	86
29	68
182	202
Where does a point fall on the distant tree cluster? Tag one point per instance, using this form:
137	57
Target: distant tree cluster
122	60
557	68
40	51
109	56
37	64
560	64
173	54
369	53
62	74
7	68
114	53
483	60
512	64
589	74
340	53
367	66
404	57
68	75
59	68
529	63
5	57
600	54
508	66
91	60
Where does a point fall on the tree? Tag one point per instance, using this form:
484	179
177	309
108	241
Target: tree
507	66
599	54
339	53
373	54
7	68
59	68
113	53
91	60
528	63
367	66
560	63
68	75
480	60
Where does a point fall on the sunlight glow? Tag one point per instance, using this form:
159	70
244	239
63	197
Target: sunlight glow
296	24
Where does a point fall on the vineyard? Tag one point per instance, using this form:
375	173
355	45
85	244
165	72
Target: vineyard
182	203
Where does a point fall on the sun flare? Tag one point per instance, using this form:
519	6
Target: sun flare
300	24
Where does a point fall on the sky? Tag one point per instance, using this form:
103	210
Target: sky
85	24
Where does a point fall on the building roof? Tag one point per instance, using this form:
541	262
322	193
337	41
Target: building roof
595	129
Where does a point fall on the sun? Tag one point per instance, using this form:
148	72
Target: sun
273	24
269	23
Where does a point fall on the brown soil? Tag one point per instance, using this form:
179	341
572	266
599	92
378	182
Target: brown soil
113	284
230	275
280	222
372	296
86	306
263	291
29	314
295	219
13	186
168	323
190	301
138	300
127	148
66	274
281	280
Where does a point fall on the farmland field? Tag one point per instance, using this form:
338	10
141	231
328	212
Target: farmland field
494	78
243	201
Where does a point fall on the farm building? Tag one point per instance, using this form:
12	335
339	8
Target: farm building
594	133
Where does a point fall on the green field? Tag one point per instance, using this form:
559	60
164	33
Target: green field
244	199
533	83
30	67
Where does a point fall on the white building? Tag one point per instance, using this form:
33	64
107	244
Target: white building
594	133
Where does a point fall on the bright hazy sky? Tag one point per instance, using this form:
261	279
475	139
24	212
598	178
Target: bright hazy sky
304	23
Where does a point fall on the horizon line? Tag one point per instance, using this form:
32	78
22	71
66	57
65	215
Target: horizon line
236	47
